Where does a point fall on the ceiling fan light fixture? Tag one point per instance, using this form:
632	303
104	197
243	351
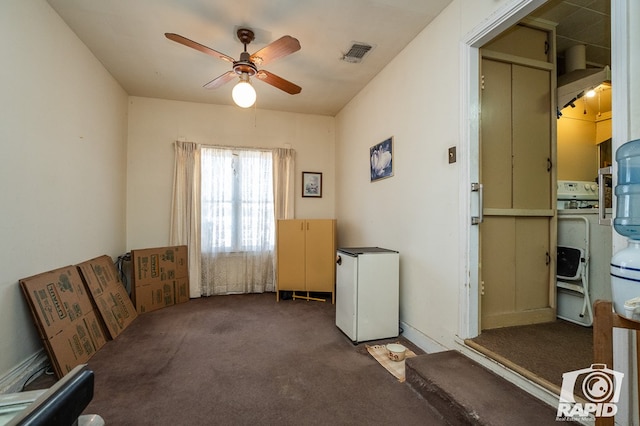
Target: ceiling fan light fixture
243	93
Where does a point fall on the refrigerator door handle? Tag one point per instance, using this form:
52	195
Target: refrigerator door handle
339	260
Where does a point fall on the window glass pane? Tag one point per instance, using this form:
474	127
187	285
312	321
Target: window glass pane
256	193
237	200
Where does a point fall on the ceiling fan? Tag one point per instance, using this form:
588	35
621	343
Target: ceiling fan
247	65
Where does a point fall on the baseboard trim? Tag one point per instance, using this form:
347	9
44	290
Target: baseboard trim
14	380
421	340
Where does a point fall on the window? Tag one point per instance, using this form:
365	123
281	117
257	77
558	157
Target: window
237	200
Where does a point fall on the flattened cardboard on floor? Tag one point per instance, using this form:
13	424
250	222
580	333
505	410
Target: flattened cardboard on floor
64	317
109	295
159	264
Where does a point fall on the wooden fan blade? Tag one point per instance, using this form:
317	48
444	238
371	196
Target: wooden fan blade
282	47
278	82
200	47
219	81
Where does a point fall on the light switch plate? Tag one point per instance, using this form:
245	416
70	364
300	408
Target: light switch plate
452	154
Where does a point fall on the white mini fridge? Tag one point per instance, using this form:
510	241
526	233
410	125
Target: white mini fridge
367	293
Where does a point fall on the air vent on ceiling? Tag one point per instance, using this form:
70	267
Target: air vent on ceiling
356	52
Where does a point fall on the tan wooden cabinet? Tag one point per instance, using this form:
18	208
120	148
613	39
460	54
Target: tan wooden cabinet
306	254
524	42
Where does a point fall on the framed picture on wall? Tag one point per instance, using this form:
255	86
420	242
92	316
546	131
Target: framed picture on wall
312	184
381	160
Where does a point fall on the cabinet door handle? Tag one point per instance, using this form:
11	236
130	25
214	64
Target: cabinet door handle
547	259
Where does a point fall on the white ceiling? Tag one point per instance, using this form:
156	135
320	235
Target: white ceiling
127	36
585	22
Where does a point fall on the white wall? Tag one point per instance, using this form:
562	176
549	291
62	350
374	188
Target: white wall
62	179
415	99
155	124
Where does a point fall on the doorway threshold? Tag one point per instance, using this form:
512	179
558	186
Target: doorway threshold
533	388
535	356
522	371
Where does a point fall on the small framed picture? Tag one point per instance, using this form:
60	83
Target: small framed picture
312	184
381	160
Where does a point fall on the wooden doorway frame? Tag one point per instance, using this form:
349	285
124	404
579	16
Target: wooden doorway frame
502	19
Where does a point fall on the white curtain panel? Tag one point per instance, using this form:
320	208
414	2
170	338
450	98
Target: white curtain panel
185	208
283	182
237	221
283	189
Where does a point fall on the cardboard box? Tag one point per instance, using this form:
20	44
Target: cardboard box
160	277
76	345
159	264
64	317
56	298
181	290
110	298
154	296
94	326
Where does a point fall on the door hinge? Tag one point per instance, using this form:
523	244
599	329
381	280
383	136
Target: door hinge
482	82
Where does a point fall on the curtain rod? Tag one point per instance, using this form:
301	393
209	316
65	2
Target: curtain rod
235	147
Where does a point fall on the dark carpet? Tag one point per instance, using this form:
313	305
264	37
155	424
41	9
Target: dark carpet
546	350
247	360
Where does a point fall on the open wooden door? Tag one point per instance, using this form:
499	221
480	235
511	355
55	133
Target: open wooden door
517	236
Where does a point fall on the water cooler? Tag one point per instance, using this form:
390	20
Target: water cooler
625	264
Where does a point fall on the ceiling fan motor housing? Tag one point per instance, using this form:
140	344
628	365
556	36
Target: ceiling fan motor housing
244	65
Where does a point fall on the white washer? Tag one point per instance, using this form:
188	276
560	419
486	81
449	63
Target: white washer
572	232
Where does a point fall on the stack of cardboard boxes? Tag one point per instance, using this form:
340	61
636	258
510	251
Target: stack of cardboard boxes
78	308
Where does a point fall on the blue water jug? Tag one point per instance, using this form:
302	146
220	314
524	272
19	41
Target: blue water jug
627	191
